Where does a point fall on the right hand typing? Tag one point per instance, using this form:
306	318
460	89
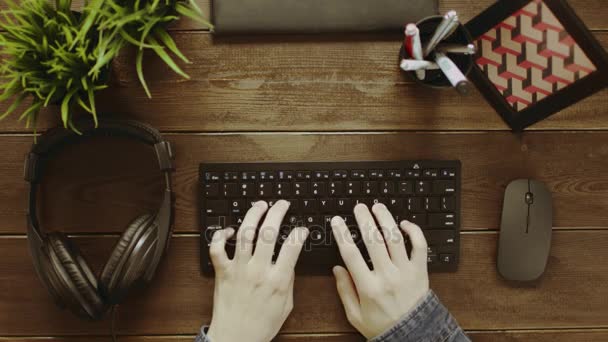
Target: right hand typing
375	300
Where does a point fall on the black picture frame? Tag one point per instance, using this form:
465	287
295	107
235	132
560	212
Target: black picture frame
590	84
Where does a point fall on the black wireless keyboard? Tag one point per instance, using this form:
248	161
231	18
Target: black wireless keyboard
424	192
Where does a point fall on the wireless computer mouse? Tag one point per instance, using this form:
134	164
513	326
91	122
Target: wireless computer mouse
525	230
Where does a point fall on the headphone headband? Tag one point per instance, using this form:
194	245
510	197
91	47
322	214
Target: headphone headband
57	138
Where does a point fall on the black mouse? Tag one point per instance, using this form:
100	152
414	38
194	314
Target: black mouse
525	230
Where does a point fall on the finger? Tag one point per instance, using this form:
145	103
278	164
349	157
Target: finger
267	237
376	247
419	245
392	235
290	251
246	234
348	250
217	251
348	294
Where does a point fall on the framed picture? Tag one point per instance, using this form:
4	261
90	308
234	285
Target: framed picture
535	58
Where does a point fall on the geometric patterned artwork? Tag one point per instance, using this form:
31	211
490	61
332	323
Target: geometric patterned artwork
530	56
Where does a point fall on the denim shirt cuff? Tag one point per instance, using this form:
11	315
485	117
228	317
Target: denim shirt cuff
428	321
202	337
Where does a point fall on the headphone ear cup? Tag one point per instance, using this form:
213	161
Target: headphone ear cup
117	275
75	275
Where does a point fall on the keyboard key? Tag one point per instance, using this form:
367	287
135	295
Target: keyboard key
367	201
318	189
247	189
215	207
267	175
446	258
431	204
353	188
414	205
336	188
282	189
294	205
295	221
211	189
321	174
431	259
387	188
238	207
418	219
406	188
231	176
285	175
440	237
249	176
344	205
305	175
340	174
394	174
376	174
265	189
230	190
327	205
444	187
442	220
395	205
448	173
358	174
431	173
309	205
370	188
412	173
423	187
447	204
313	221
212	176
300	189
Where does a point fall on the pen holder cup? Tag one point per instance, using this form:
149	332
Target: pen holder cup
436	78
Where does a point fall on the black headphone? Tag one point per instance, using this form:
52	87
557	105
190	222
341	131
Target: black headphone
138	252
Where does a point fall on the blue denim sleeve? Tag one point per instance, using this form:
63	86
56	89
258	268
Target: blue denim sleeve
202	336
430	321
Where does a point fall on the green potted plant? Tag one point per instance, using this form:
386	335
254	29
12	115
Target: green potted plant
144	25
59	57
43	60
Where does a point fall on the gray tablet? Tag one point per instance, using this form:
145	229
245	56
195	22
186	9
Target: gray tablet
316	16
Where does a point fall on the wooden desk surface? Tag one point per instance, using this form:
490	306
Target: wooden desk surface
336	97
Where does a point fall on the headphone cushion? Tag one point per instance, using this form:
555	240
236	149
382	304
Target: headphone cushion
121	248
79	273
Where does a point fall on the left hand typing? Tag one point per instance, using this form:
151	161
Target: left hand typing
253	297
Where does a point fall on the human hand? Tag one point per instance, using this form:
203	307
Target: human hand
253	296
376	300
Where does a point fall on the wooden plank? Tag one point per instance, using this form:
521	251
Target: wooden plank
588	335
114	181
572	293
592	12
329	83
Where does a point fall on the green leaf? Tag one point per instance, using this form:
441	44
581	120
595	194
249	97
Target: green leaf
161	34
168	60
91	94
91	10
35	107
140	73
14	105
192	14
65	107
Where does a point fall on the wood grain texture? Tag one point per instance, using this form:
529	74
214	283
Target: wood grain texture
589	10
296	83
571	294
493	336
101	185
